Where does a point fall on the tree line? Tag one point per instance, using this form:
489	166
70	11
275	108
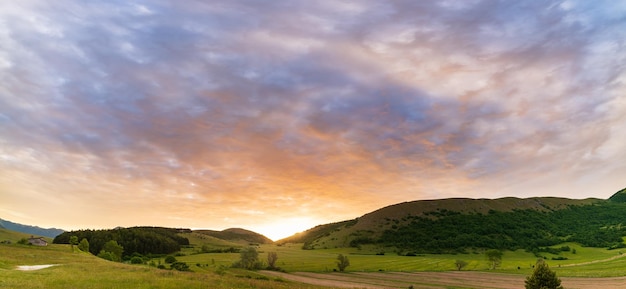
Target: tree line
136	240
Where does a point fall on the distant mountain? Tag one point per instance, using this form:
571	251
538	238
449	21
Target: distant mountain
32	230
237	235
456	225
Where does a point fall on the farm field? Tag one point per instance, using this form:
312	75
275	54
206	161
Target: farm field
586	262
438	280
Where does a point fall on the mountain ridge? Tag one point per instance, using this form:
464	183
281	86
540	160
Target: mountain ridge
32	230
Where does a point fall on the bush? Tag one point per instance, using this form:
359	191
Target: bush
106	255
170	259
136	260
180	266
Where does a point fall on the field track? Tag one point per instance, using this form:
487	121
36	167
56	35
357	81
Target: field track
436	280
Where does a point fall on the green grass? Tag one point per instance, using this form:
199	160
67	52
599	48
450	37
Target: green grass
8	235
82	270
292	259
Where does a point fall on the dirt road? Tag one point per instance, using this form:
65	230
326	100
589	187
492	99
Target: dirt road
436	280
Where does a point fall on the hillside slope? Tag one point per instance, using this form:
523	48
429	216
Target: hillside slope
237	235
400	224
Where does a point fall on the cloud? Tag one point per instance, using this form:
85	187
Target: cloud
327	108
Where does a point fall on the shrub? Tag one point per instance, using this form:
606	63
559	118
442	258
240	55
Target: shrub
180	266
170	259
136	260
106	255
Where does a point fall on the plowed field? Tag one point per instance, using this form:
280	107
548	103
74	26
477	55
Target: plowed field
437	280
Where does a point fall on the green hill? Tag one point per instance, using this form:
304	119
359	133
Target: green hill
12	236
619	197
237	235
458	225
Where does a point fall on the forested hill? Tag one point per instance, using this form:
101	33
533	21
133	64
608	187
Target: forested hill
456	225
142	240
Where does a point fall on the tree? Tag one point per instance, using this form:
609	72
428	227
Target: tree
83	245
495	258
249	259
271	259
342	262
73	241
460	264
114	249
543	278
170	259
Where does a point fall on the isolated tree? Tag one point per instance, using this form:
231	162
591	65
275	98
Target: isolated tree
271	260
342	262
495	258
249	259
83	245
73	241
543	278
460	264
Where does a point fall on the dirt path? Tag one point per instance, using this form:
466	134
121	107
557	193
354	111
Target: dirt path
436	280
595	261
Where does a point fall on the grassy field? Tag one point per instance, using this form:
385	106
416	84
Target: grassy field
82	270
587	262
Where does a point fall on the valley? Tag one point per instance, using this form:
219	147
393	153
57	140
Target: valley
581	240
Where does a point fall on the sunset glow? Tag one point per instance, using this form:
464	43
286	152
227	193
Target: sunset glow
282	115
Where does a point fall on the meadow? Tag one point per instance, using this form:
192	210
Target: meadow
82	270
586	262
75	269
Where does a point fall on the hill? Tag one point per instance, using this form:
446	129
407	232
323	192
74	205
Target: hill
457	225
32	230
9	236
237	235
619	197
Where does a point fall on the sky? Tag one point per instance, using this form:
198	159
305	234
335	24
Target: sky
276	116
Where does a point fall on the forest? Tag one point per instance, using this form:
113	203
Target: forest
141	240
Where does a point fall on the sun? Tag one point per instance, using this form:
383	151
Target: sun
286	227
